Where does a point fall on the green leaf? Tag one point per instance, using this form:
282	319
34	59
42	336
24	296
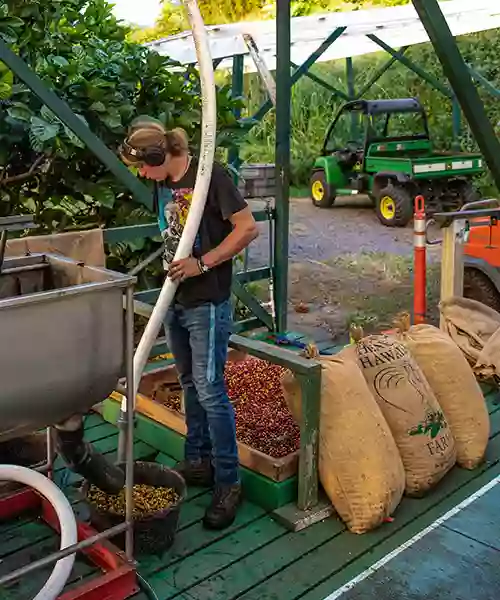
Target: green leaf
60	61
98	107
41	131
14	22
5	90
20	112
112	121
8	35
49	116
104	196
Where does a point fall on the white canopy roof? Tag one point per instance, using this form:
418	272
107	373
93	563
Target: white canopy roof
397	26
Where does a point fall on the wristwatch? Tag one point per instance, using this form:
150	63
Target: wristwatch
202	266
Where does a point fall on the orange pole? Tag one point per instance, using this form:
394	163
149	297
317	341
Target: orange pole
419	262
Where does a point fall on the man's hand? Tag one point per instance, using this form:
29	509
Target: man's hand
179	270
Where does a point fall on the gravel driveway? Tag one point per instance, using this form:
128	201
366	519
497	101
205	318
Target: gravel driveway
346	267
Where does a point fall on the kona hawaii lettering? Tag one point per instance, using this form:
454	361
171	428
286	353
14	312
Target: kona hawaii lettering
369	359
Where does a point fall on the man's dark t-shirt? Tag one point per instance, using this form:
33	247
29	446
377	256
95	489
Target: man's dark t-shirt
173	203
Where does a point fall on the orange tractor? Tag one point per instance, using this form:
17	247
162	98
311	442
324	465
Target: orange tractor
482	260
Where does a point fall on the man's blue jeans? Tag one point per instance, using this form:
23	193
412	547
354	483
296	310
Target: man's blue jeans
198	338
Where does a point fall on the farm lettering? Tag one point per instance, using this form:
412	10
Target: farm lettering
439	445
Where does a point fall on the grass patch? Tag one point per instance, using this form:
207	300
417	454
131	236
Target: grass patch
367	289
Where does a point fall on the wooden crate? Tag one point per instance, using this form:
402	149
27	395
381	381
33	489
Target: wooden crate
259	489
276	469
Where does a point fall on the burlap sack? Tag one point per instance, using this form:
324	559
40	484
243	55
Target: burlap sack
454	385
417	422
470	325
359	464
82	246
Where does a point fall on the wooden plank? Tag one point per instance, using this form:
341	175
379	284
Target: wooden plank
409	520
92	420
337	553
242	576
276	355
24	537
28	587
215	558
309	440
195	538
444	565
452	266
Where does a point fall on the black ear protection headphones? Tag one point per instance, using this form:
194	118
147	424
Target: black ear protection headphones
153	156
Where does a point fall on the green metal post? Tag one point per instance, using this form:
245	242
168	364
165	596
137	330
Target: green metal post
283	116
236	92
458	74
456	122
349	74
77	126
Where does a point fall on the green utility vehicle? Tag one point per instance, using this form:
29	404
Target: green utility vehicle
382	148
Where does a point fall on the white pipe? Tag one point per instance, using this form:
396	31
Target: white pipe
69	535
203	177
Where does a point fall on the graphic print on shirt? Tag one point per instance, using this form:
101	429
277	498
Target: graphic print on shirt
175	212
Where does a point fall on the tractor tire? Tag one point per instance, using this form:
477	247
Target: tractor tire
469	194
393	206
322	193
479	287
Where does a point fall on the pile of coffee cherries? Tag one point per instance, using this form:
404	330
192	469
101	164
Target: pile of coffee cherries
148	500
263	420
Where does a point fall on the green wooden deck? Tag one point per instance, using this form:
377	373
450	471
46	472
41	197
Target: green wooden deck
258	559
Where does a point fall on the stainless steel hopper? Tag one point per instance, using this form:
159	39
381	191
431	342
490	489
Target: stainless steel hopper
62	334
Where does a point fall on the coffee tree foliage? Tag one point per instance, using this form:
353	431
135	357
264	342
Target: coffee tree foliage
79	50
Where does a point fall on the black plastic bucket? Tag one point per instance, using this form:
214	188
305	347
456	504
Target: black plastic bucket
153	533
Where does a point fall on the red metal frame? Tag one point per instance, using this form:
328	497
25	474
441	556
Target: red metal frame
118	580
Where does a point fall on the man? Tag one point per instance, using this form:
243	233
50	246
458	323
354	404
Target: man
198	325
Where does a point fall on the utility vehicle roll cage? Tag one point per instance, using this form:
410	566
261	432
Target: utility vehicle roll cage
371	108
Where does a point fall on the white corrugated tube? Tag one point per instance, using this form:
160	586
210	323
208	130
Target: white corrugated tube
69	535
203	177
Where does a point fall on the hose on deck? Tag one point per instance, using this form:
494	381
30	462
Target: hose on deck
69	534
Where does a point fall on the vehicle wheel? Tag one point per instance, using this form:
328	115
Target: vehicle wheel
394	206
322	193
477	286
469	194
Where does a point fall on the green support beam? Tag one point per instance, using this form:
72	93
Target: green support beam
412	66
68	117
460	79
379	72
456	123
284	84
302	70
323	83
237	92
351	91
483	82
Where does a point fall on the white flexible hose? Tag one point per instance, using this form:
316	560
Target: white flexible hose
64	512
203	177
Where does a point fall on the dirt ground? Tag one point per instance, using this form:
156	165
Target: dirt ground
346	268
